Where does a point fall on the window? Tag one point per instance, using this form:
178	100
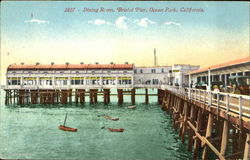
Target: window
77	72
14	72
109	72
61	72
29	72
135	71
152	70
141	71
93	72
155	81
125	72
162	70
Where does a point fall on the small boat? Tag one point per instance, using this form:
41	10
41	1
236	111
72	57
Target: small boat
113	119
131	107
116	130
64	128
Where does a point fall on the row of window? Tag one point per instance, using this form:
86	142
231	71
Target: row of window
72	82
45	72
152	70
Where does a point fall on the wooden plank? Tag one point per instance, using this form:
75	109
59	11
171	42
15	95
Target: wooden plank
224	138
203	139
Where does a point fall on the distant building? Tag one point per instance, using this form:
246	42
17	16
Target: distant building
178	75
151	75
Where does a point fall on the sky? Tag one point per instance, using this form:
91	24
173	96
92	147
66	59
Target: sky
46	31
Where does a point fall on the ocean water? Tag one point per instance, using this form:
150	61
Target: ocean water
31	132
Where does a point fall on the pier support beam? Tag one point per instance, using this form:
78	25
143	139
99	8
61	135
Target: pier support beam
224	138
76	96
106	93
208	133
247	147
133	96
64	97
197	142
120	96
91	96
95	95
70	95
34	96
146	96
82	95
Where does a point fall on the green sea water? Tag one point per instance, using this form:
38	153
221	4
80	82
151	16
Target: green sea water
30	132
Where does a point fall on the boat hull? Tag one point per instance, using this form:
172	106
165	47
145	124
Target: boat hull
64	128
131	107
116	130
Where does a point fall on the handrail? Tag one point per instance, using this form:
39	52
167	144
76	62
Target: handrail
226	101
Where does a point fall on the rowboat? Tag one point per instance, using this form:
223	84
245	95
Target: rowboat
131	107
64	128
113	119
116	130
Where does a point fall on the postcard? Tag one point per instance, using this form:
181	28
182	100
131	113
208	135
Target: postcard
124	80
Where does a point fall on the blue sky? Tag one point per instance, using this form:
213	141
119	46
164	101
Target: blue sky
42	31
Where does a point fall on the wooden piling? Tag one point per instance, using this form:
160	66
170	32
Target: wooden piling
208	134
21	96
133	96
91	96
197	141
64	96
120	96
95	94
184	128
14	96
82	95
6	97
247	147
76	96
34	96
224	138
146	96
105	96
70	95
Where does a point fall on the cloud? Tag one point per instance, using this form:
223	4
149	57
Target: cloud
99	22
38	21
144	22
121	22
172	23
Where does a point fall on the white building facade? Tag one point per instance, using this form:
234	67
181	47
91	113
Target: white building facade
151	75
70	76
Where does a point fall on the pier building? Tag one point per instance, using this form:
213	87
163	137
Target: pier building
222	72
232	76
69	76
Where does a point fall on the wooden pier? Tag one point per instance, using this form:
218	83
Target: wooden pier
206	127
65	96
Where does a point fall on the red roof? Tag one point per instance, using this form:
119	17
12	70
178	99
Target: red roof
68	66
222	65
